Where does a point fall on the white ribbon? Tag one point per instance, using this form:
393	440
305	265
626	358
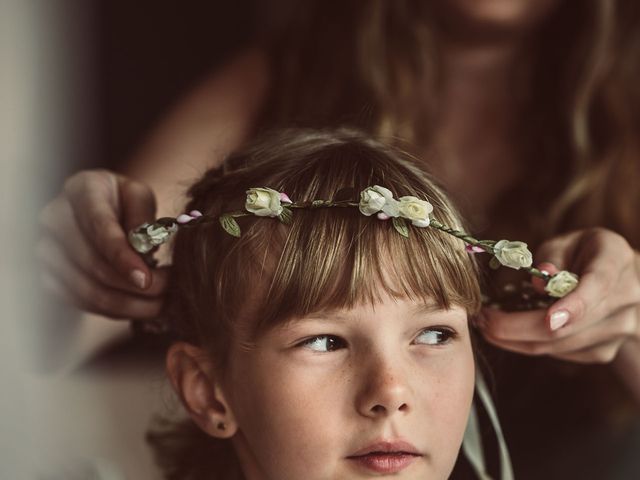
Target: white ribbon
472	442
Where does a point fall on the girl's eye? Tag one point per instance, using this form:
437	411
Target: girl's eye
324	343
436	336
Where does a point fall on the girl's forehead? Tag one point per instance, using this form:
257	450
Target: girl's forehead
386	303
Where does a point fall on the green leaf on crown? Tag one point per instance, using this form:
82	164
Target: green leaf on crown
286	216
400	224
494	263
230	225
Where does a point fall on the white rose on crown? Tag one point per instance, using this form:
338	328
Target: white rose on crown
416	210
561	284
378	199
513	254
263	202
139	239
158	234
147	236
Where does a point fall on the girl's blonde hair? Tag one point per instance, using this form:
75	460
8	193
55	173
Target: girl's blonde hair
326	258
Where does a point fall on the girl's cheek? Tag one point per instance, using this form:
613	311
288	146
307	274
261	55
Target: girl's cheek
449	383
284	403
457	397
280	387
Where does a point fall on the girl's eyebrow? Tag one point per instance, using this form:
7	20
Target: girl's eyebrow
426	308
423	308
324	315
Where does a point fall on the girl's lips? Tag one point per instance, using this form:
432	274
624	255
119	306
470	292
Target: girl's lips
385	462
387	446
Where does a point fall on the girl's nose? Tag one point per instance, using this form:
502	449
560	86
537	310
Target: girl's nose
384	391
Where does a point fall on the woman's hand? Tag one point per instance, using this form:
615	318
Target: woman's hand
85	256
590	324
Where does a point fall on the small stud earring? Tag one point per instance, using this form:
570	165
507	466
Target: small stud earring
221	426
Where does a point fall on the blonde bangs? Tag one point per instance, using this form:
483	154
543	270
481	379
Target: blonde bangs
336	259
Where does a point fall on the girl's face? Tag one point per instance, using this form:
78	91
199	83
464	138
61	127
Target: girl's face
324	396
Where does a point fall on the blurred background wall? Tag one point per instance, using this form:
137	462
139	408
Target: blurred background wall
149	53
81	82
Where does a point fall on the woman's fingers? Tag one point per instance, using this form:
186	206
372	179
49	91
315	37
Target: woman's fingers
97	204
592	345
559	250
538	283
584	308
591	323
554	255
138	203
527	326
66	233
602	259
86	257
514	326
66	281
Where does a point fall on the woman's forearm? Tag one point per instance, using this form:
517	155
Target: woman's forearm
201	130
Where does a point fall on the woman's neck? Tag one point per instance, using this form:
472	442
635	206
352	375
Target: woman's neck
478	103
474	150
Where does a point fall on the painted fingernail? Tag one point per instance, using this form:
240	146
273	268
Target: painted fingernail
558	319
138	278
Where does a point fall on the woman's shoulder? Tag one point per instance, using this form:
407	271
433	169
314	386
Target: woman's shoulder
241	81
210	120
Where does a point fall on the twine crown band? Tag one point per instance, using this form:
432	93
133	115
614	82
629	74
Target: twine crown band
376	200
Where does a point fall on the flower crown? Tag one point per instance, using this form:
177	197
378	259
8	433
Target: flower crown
376	200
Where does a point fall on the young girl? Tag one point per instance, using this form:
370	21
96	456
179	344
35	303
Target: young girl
318	340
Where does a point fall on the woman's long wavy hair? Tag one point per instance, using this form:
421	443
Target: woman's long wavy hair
362	62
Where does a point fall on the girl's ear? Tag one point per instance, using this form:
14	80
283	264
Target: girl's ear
191	373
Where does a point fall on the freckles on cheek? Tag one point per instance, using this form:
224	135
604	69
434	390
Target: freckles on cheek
450	388
446	393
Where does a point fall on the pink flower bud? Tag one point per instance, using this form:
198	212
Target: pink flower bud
195	213
383	216
184	218
285	198
474	249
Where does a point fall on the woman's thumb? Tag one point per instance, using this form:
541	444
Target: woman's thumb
539	283
137	201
